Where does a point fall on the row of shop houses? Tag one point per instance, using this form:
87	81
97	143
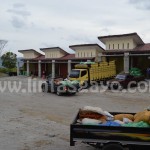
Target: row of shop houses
128	51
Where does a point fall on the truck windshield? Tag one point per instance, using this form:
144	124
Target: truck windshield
120	77
74	74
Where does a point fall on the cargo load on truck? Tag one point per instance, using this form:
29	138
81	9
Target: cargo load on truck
60	86
111	130
92	71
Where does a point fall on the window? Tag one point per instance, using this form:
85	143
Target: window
113	46
91	54
83	73
74	74
78	54
120	77
118	46
81	54
128	45
109	46
123	46
84	54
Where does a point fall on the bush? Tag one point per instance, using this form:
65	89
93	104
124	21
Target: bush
3	70
6	70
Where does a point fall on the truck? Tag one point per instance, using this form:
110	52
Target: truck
60	86
87	72
124	80
110	137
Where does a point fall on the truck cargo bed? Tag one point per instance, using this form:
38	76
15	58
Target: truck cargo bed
97	135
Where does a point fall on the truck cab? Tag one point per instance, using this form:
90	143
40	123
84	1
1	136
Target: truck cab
79	74
88	72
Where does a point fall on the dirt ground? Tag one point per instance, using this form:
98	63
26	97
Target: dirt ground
32	120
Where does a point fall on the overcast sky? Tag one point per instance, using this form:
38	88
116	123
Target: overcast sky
34	24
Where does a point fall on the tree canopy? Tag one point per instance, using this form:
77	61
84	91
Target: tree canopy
9	60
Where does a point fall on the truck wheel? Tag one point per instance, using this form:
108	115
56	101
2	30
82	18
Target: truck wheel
112	147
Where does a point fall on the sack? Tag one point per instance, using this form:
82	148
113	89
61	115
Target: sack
142	116
87	121
121	116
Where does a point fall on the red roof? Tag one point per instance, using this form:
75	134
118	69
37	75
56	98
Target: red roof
145	47
41	57
68	57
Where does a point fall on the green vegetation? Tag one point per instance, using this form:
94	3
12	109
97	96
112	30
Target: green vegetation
9	60
6	70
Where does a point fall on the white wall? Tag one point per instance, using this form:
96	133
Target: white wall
30	54
113	43
85	52
54	53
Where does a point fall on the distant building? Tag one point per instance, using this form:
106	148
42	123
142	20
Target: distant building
128	51
57	61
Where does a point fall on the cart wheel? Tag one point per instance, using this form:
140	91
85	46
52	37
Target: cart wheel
121	87
44	88
73	93
58	93
112	147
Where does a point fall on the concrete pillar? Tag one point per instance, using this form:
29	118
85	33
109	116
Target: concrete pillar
53	68
69	67
18	69
100	57
39	68
126	62
28	68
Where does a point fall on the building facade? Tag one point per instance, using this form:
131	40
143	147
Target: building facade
128	51
56	61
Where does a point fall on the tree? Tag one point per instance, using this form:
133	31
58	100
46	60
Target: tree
2	45
9	60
